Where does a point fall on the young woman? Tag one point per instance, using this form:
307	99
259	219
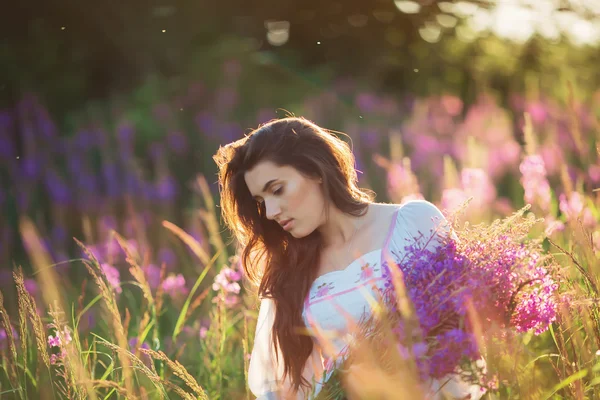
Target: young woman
312	242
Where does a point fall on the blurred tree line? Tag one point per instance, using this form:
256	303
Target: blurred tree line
73	52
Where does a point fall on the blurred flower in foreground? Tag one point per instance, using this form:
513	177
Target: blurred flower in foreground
4	337
535	183
152	273
402	183
113	276
475	183
573	207
174	285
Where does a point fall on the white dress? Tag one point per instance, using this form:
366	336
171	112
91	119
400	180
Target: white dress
337	295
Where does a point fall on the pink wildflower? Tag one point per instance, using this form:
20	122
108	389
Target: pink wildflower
174	285
152	273
573	207
203	332
476	182
453	198
53	341
535	183
113	276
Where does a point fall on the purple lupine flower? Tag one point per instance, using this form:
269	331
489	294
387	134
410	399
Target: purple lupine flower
371	138
126	132
206	123
133	344
31	286
112	179
152	273
57	188
59	234
113	276
167	256
177	142
165	188
366	102
229	131
31	167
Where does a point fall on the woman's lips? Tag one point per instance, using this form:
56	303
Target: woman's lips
287	225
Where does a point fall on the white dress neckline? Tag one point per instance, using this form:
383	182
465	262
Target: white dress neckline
347	268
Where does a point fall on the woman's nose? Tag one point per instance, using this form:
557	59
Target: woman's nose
272	208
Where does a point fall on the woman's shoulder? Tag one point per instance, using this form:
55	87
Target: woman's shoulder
411	209
418	216
420	209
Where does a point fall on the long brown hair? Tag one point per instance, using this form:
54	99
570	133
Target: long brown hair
284	267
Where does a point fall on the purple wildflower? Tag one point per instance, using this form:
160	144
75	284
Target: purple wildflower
509	286
152	273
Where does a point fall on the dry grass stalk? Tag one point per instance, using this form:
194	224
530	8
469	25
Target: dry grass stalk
70	363
198	301
189	241
51	293
12	349
23	307
210	219
179	370
245	350
139	364
135	270
27	302
160	291
127	320
93	267
112	385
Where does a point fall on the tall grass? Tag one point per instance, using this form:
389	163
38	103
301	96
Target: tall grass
145	335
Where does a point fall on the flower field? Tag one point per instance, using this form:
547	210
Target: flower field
118	280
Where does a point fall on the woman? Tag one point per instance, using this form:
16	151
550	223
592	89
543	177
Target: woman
312	242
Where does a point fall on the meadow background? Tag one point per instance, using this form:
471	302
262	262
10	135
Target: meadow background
118	279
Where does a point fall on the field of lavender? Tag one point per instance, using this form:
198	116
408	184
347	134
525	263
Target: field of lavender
118	280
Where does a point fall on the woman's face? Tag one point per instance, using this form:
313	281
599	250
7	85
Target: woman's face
294	201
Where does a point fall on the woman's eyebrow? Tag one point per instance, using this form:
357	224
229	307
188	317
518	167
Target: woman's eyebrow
266	187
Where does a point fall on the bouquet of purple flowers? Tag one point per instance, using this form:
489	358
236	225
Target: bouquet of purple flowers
454	292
